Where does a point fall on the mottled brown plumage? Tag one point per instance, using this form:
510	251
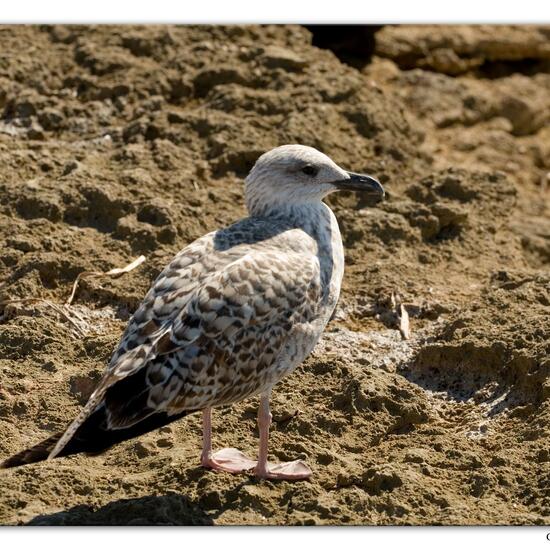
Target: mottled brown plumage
232	313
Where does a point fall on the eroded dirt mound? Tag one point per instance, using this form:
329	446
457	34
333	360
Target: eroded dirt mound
120	141
466	47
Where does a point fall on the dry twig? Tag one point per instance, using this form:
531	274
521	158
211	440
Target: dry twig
401	315
65	310
113	273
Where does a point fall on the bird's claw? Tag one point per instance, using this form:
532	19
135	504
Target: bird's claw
229	460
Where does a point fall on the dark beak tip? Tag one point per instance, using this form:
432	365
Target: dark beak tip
366	184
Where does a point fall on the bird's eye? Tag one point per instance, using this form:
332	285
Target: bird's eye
309	170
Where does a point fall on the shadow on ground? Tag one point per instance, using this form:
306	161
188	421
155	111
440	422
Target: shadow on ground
171	509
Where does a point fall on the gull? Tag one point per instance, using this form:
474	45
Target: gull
233	313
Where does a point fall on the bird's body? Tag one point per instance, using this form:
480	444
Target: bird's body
232	313
237	310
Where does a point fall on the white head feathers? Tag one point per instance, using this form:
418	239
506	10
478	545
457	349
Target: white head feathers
290	175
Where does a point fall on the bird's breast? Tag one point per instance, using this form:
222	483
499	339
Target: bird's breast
322	226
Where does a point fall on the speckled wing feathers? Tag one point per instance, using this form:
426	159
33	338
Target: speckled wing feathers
213	326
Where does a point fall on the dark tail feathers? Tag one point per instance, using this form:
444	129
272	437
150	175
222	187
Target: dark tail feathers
33	454
93	437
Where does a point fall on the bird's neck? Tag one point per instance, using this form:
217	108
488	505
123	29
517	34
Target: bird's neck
319	222
303	215
314	218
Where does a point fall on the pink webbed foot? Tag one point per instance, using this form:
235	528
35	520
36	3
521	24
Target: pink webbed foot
229	460
290	471
234	461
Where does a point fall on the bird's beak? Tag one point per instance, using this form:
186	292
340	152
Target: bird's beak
361	182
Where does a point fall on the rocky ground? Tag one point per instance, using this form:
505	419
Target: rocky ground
121	141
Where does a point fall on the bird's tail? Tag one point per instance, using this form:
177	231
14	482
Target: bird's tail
92	437
37	453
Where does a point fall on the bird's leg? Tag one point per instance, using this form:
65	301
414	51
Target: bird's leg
225	460
206	454
285	470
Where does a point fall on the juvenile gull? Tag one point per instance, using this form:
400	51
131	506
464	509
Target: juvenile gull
232	313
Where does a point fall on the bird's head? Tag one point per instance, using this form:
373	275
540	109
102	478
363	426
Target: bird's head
297	174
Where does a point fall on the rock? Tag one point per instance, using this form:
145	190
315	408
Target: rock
180	88
40	206
525	116
51	119
35	131
70	167
455	49
142	236
381	479
25	245
275	57
417	456
207	79
156	213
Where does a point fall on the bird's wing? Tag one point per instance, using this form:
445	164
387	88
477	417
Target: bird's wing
164	301
227	342
207	332
150	322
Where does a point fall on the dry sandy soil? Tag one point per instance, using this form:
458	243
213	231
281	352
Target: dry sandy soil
122	141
